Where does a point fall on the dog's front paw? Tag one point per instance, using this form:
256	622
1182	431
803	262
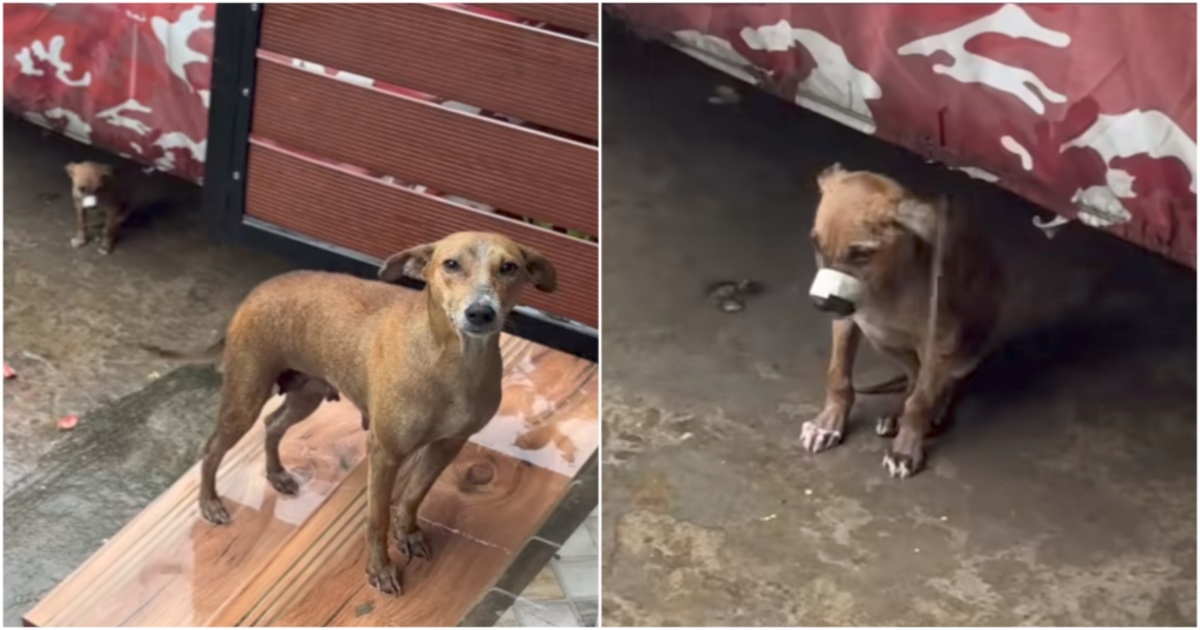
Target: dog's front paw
906	454
887	426
385	578
901	465
824	431
214	512
79	240
105	248
284	482
814	438
413	544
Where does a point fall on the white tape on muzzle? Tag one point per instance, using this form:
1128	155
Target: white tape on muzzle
833	283
88	201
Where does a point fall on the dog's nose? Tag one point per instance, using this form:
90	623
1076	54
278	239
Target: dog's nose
834	304
480	314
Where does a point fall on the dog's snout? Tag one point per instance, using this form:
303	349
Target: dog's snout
481	314
833	304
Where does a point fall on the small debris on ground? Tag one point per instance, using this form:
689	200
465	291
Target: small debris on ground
67	423
808	492
725	95
40	359
730	295
9	373
769	517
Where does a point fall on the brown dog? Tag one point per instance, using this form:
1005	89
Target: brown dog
424	367
881	251
97	186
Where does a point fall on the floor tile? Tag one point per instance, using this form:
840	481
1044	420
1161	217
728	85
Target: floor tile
556	615
579	578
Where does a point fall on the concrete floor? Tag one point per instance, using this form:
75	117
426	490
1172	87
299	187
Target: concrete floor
71	322
1065	493
72	317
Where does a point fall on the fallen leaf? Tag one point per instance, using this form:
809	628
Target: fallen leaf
68	423
9	373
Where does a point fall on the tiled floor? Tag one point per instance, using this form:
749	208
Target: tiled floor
566	592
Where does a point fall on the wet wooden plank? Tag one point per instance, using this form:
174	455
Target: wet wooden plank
301	561
150	572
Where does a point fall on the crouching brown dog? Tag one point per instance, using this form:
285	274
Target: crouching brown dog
881	251
96	186
425	368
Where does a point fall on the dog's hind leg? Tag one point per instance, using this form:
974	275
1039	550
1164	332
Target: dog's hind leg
242	397
298	404
418	477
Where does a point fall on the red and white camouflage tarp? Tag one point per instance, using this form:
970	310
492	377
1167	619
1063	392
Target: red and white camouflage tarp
135	79
131	78
1086	109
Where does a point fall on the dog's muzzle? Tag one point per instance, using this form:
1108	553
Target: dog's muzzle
481	318
835	292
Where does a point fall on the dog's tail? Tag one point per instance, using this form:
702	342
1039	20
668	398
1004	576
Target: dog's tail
890	386
207	355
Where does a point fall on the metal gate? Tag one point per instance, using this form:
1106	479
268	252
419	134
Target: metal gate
343	133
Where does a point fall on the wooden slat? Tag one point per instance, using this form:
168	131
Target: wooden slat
320	576
301	561
523	72
378	220
167	556
527	173
582	17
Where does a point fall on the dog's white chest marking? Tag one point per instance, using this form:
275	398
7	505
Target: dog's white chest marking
89	201
877	330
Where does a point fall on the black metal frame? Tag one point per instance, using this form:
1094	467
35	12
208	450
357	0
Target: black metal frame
234	64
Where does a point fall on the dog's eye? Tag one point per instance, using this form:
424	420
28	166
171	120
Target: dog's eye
859	255
508	267
450	265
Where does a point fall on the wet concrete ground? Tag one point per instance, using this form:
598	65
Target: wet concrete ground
71	319
1064	494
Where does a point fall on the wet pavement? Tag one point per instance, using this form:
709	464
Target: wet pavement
1064	494
71	322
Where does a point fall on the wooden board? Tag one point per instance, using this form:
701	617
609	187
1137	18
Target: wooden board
301	560
508	68
521	171
377	219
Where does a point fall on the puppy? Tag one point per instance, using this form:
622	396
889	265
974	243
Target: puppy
923	282
96	186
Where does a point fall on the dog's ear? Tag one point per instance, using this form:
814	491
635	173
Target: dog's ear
410	262
541	272
70	169
919	217
829	176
